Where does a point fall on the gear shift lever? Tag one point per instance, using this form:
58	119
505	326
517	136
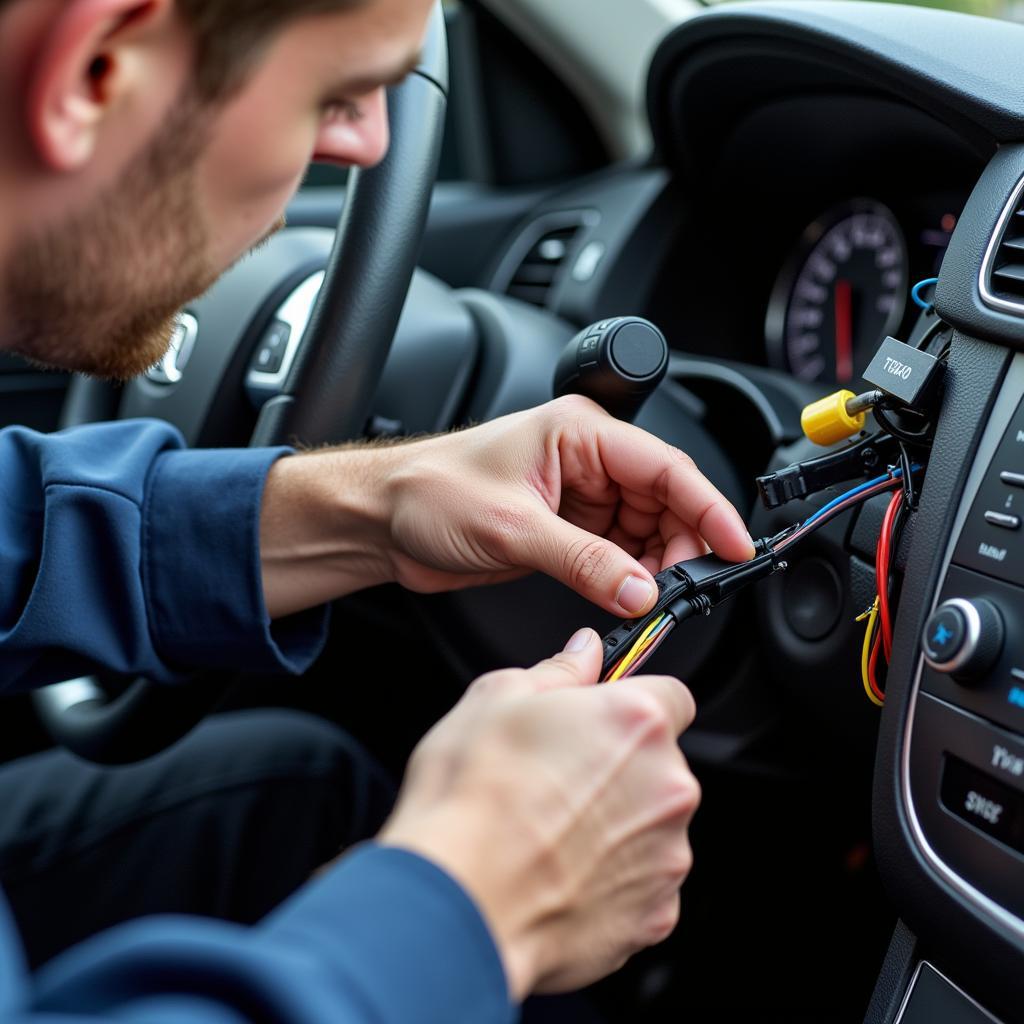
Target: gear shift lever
618	363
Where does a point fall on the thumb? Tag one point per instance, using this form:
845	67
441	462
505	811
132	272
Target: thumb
594	567
578	665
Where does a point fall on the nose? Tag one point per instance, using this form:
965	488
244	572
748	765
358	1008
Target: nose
357	141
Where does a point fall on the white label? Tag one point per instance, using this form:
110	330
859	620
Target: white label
1007	762
989	551
986	809
898	369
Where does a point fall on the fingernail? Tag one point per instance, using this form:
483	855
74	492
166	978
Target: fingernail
580	641
634	595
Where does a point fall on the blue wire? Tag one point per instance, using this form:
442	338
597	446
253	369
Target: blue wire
915	294
895	475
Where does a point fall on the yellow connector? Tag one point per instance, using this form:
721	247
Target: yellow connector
831	420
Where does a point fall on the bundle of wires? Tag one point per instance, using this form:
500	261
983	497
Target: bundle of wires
878	633
656	631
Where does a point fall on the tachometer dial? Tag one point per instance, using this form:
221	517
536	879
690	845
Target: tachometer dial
840	294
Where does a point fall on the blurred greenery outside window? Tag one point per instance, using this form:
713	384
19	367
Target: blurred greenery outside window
1010	10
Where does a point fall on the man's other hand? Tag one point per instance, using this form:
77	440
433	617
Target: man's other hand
563	808
564	489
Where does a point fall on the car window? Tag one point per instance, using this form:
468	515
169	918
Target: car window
1008	9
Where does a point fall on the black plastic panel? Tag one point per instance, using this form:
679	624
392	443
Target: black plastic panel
933	1000
941	730
958	295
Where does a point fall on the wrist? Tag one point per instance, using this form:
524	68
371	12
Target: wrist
325	528
443	839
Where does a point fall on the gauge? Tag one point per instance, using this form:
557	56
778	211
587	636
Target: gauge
839	295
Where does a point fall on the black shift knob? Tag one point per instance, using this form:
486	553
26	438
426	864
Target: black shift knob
618	363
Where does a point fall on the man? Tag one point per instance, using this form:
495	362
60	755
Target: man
541	835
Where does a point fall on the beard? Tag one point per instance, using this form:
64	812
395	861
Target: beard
100	294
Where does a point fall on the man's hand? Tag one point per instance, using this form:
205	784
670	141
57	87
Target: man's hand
562	808
564	489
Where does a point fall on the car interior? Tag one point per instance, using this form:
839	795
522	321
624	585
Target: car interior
791	172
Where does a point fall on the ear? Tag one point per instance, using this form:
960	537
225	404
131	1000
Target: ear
83	68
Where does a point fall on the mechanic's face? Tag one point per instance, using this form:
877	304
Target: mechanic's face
98	291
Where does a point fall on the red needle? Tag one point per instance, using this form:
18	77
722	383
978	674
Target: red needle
844	331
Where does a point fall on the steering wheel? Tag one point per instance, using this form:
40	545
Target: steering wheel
326	394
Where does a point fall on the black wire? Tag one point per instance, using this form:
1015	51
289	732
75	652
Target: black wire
909	492
929	336
921	438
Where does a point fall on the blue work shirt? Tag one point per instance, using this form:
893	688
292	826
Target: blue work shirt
120	550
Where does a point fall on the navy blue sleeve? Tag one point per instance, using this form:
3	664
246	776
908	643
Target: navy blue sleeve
384	938
122	551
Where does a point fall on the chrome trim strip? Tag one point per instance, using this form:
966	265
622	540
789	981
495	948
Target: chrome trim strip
296	312
971	641
1006	405
952	984
990	255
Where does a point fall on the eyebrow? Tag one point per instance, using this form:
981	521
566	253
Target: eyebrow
386	78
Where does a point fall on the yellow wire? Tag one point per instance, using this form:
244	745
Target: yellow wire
865	658
637	649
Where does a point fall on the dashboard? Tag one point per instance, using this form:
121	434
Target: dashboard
815	161
819	216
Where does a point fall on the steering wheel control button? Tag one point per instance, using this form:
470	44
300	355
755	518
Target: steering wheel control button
617	363
1012	479
812	599
964	639
270	354
1002	520
638	350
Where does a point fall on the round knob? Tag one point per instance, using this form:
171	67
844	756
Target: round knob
618	363
963	638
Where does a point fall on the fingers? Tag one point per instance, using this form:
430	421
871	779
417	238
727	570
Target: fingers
594	567
673	697
646	468
578	665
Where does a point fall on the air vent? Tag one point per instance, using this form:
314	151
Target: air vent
535	262
1002	275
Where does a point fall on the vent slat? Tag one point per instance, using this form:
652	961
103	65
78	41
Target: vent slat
1011	272
540	267
536	273
1003	284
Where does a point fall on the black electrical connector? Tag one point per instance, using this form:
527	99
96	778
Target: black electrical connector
802	479
693	588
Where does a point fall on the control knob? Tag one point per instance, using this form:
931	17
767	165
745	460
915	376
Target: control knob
618	363
964	639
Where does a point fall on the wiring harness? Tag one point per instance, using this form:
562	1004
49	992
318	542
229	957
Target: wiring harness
907	383
696	587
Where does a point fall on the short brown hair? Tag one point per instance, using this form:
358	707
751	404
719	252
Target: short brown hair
231	34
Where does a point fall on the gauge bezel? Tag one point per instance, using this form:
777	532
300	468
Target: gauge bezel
782	291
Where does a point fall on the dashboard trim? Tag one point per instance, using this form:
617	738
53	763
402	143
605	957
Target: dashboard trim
994	242
1006	405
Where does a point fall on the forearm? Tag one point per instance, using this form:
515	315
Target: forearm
325	527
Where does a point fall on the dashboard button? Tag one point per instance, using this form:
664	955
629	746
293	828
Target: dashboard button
1012	479
1002	520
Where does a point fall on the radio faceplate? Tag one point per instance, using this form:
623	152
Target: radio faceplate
963	756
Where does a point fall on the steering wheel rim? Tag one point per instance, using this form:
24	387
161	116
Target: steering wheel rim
326	398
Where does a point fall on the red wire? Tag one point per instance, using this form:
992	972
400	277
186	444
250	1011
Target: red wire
883	567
